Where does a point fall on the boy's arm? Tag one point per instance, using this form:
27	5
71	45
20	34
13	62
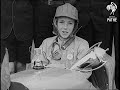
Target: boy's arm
43	57
82	50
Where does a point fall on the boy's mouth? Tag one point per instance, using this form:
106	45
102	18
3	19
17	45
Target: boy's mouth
64	32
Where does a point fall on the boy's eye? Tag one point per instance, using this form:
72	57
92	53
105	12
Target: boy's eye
70	23
61	22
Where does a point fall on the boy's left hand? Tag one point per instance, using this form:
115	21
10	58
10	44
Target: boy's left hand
46	61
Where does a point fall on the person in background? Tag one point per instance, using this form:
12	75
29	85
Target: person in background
43	14
93	16
16	32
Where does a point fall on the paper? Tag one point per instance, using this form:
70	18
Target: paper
92	60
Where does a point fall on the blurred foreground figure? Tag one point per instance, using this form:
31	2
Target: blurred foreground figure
5	73
6	83
16	32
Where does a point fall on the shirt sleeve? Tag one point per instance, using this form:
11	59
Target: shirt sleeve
82	49
43	48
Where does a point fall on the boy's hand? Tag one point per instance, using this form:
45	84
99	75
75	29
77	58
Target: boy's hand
40	59
46	61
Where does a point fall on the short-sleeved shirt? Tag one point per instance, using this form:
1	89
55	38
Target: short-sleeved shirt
75	51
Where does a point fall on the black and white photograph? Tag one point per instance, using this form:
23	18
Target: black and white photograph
60	45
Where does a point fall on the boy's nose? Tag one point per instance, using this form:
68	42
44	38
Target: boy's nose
65	26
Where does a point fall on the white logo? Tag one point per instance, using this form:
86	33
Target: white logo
112	7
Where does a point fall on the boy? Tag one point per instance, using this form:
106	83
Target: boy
65	48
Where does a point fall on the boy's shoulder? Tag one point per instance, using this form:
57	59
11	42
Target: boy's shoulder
81	42
79	39
50	39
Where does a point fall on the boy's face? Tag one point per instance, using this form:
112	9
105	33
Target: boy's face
65	26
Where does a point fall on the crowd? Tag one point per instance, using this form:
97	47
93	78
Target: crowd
23	21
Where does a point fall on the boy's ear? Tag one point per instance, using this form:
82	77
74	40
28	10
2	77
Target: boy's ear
76	29
55	22
55	30
54	27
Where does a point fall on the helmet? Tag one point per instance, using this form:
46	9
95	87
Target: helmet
66	10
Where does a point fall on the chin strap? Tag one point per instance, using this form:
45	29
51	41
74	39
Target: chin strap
56	49
67	43
70	39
